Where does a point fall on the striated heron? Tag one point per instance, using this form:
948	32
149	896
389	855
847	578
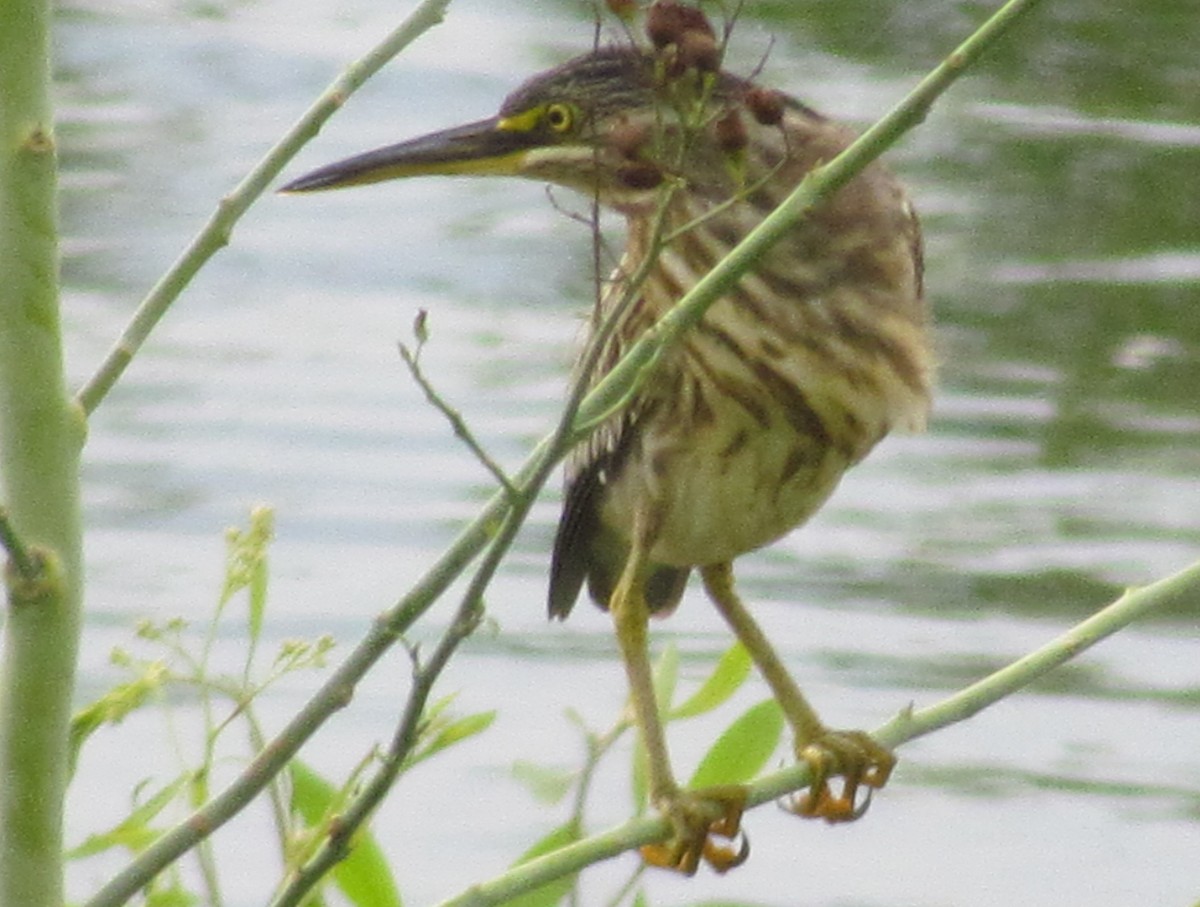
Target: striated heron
746	426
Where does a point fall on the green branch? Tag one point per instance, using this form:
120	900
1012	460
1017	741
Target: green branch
216	233
1180	590
412	358
470	612
334	694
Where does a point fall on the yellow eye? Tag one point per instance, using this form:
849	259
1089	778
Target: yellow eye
560	117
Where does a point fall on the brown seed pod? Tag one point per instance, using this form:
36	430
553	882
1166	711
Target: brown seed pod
730	132
639	176
629	139
668	20
672	66
765	104
699	50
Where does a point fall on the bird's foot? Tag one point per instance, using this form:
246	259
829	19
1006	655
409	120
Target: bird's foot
698	817
857	759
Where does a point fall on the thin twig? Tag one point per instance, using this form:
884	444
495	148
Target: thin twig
337	690
718	209
470	611
1180	590
216	232
360	807
412	358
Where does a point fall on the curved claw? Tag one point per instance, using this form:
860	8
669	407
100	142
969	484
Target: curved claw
696	818
854	756
722	858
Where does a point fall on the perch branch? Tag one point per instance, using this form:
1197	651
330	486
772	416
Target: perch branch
1178	591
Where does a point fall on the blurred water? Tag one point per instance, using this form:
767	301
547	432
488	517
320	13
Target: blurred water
1058	191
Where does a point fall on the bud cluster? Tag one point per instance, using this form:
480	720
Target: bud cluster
688	58
683	36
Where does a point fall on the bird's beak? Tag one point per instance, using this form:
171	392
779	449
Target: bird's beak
488	147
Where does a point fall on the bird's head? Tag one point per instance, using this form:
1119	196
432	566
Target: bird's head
606	123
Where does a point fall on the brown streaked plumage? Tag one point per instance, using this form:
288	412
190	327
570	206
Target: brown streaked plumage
794	377
746	426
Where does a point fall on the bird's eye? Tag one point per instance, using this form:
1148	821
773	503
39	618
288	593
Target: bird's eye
560	117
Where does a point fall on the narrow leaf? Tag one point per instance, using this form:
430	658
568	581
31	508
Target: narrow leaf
312	795
546	783
262	530
364	876
441	735
114	705
460	729
729	674
743	749
173	895
134	832
258	598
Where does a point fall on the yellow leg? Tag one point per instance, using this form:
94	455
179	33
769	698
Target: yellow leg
853	755
631	617
694	815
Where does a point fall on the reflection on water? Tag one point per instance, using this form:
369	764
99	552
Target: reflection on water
1058	192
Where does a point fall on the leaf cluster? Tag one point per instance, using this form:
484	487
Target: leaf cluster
175	664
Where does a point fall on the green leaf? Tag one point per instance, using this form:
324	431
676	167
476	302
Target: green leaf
441	733
547	784
114	706
743	749
364	877
134	832
729	674
554	891
312	796
246	566
258	598
460	730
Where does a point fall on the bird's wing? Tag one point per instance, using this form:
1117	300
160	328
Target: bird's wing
585	548
575	557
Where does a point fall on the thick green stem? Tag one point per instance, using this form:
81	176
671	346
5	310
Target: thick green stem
40	438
